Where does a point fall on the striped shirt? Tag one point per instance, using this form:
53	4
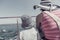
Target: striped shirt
49	26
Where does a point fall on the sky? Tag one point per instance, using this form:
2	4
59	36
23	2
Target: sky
19	7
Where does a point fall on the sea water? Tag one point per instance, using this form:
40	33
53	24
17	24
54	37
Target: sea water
9	31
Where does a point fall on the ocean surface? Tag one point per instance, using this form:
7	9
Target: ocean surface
9	31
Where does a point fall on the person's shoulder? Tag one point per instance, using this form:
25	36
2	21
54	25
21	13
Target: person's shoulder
34	29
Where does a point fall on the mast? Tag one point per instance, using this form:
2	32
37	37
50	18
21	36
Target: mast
18	34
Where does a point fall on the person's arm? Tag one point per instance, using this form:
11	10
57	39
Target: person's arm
38	20
38	25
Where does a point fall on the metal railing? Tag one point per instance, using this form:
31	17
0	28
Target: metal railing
18	34
13	17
